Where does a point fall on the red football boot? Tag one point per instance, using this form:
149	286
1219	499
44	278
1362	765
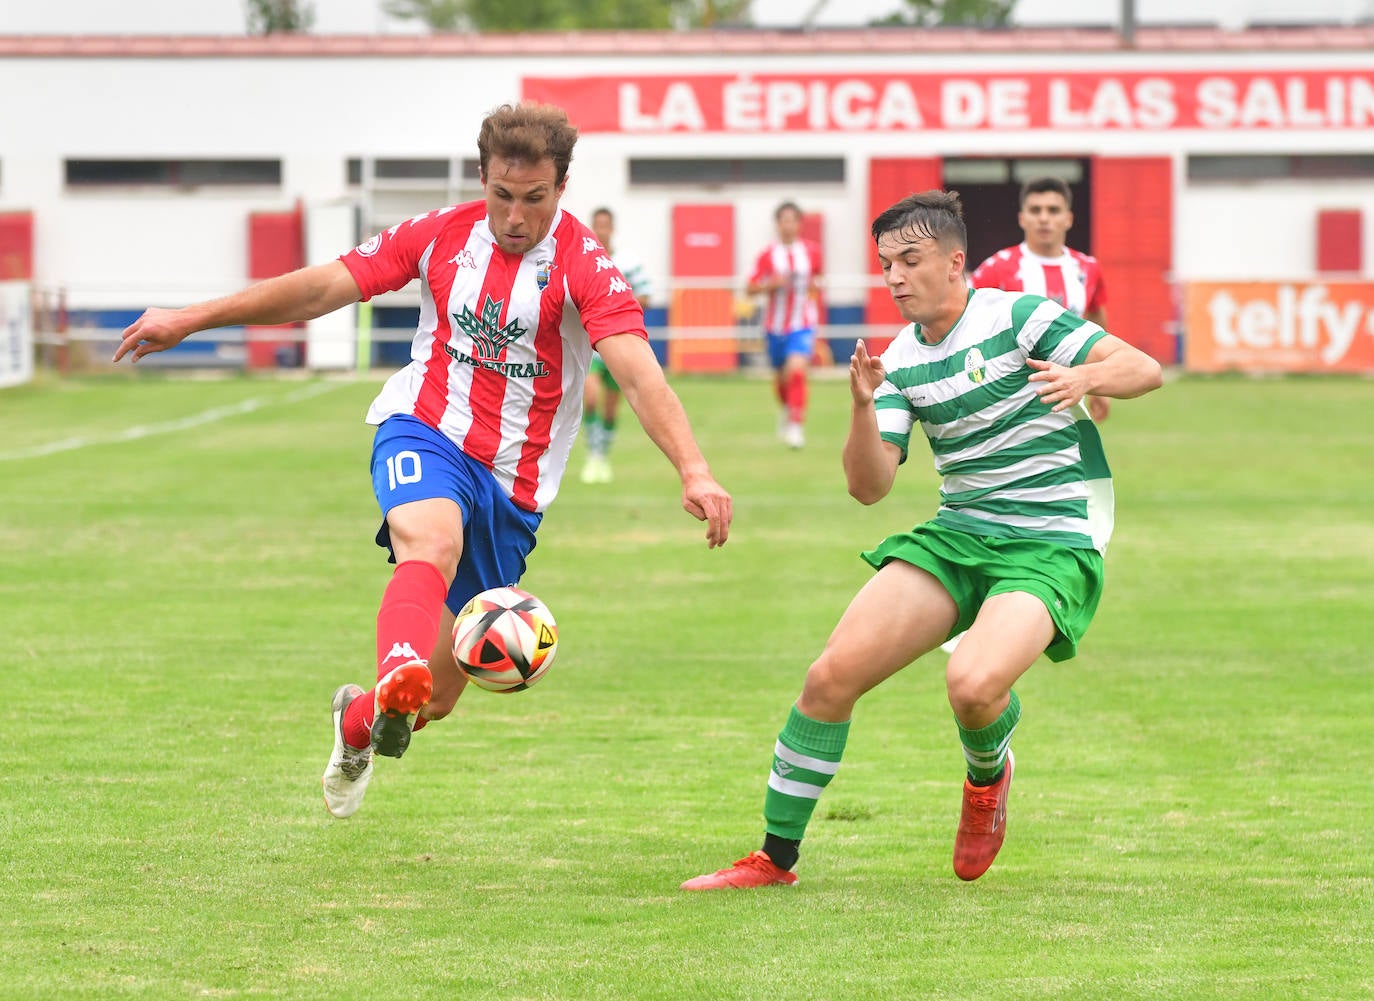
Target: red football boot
982	824
755	869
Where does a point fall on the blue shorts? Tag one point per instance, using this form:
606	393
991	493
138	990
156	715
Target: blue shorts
412	461
798	342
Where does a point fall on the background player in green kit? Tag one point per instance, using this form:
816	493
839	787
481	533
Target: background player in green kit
995	380
601	395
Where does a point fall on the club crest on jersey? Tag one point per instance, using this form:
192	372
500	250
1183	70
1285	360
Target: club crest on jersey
490	339
541	274
975	365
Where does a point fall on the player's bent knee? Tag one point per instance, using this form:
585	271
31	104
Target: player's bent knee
829	693
973	695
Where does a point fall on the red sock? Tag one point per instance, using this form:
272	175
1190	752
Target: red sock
358	718
408	621
407	627
796	397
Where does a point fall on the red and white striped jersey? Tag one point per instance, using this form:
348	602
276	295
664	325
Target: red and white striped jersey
504	340
794	306
1073	279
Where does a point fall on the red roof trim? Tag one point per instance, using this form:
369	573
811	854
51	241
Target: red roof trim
725	42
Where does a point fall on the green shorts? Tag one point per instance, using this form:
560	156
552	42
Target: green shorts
972	568
600	370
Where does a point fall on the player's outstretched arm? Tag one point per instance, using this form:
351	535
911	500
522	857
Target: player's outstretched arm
289	298
1113	368
636	370
870	464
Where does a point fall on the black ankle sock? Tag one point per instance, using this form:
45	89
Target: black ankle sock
983	783
783	851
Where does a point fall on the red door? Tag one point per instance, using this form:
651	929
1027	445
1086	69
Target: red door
16	246
276	245
703	248
1133	239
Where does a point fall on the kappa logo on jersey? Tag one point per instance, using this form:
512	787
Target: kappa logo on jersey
618	284
590	245
489	340
604	263
464	259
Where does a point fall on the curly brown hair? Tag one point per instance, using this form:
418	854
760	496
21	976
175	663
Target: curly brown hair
528	133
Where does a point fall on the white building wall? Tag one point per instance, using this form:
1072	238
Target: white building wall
1262	231
125	248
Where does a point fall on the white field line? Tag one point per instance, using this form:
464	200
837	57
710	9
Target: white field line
167	427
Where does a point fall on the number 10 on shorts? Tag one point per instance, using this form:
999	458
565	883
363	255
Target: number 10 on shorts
403	467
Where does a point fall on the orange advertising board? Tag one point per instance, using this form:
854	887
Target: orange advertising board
1311	326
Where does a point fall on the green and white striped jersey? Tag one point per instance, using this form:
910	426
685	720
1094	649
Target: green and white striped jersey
1011	468
636	275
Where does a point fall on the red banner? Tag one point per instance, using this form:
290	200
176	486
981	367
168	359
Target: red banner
1279	327
871	102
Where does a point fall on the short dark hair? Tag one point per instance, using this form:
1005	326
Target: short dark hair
928	215
787	207
1040	185
602	210
528	133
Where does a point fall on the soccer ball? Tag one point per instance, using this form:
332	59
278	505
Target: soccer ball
504	639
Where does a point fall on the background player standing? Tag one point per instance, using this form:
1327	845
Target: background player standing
1044	264
473	435
787	271
994	380
601	397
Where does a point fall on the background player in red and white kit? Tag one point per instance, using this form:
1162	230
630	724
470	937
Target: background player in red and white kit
473	435
787	270
1045	265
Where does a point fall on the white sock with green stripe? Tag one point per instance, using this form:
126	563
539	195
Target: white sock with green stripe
805	759
596	433
985	749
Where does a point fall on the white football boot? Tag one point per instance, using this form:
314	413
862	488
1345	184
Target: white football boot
350	768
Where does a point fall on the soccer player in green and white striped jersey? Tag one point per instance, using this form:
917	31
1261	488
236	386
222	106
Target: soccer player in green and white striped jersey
601	395
995	381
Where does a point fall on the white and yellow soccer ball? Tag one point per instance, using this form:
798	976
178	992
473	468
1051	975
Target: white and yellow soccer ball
505	639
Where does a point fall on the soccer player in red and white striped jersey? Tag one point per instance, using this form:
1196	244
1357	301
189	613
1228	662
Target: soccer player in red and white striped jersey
1045	265
473	435
787	271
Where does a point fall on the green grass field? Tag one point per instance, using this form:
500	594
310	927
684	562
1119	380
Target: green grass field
1193	804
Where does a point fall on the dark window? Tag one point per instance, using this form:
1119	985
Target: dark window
757	170
173	173
410	170
392	169
1269	167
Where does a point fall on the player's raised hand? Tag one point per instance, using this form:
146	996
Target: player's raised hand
1058	385
706	500
156	330
866	374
